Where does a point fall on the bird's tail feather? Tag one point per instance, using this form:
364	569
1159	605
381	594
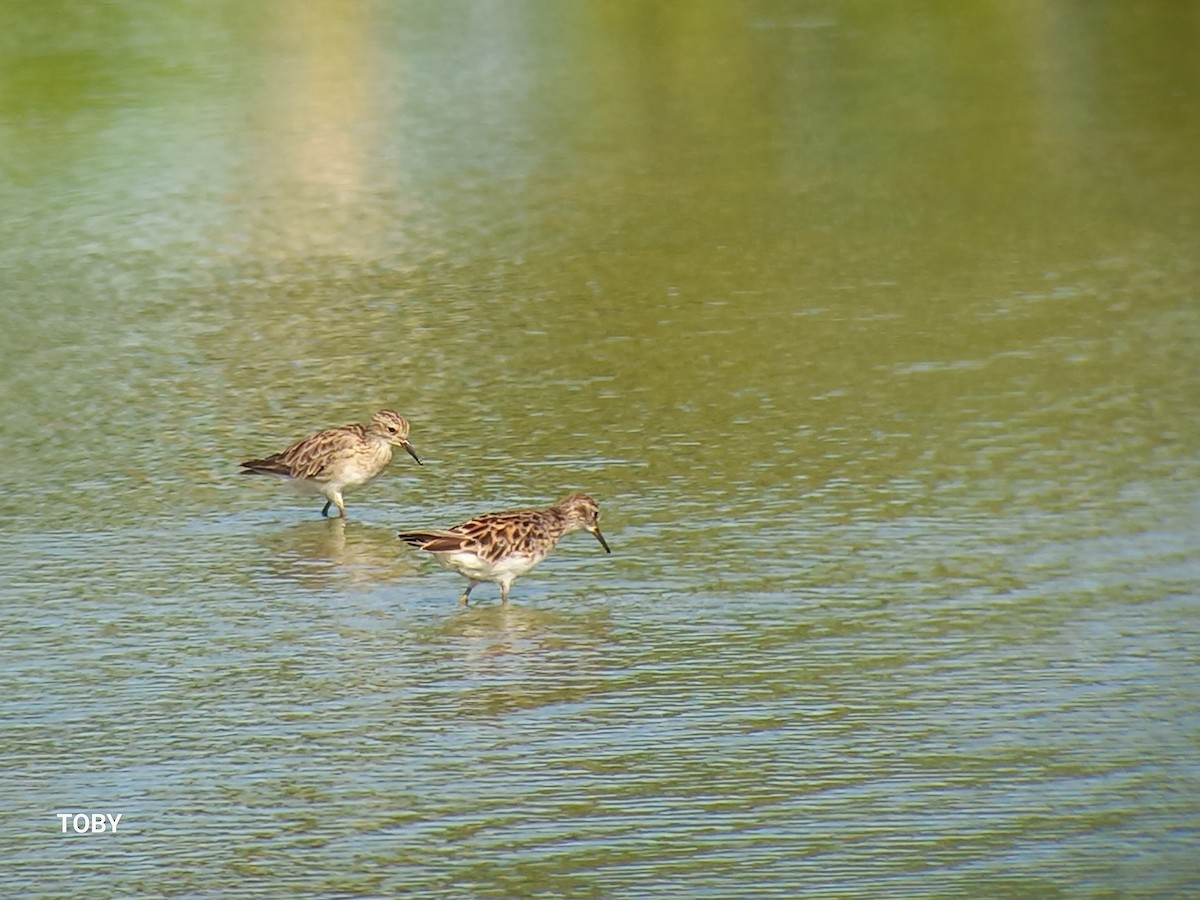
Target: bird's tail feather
431	540
267	466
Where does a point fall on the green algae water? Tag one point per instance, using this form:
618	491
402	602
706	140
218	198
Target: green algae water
874	330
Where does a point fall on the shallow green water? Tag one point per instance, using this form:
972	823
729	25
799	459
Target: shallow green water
874	333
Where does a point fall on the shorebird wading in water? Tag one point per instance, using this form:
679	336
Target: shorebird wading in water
501	547
337	460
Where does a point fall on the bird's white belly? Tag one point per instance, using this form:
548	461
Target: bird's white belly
471	566
358	470
305	487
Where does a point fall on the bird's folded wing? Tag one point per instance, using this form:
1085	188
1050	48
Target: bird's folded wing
316	457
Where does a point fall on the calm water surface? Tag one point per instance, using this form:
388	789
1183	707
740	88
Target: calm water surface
876	334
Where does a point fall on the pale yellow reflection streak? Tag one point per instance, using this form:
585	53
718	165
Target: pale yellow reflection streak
317	104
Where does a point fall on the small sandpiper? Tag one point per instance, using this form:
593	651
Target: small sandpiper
501	547
337	460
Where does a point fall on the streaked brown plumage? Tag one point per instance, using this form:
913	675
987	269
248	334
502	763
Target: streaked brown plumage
337	460
500	547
